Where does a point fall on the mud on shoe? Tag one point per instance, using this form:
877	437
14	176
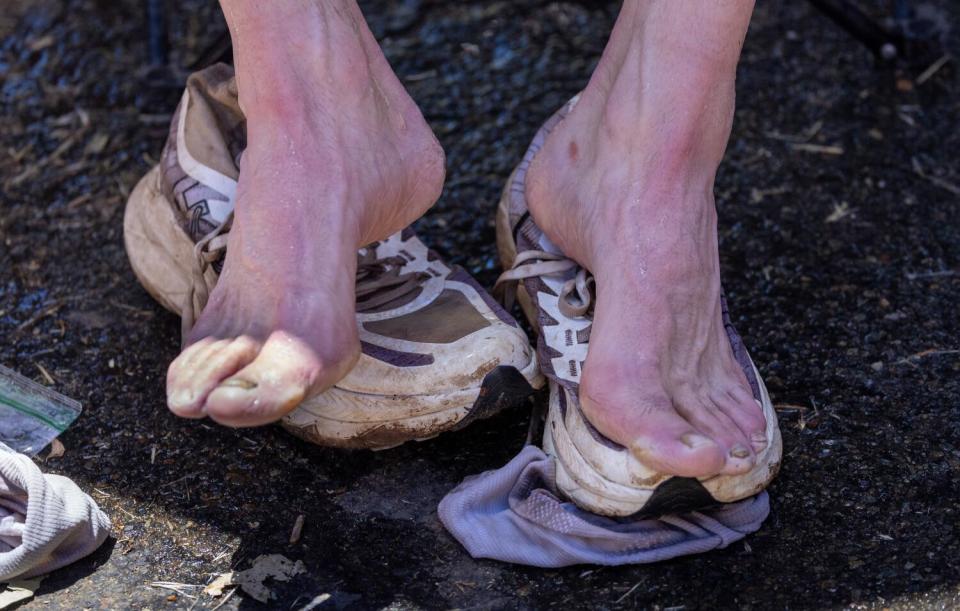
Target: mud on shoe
555	293
437	351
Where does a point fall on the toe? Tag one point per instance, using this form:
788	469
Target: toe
181	398
656	434
189	385
667	442
709	419
740	406
284	373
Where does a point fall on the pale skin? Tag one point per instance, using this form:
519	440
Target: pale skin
624	185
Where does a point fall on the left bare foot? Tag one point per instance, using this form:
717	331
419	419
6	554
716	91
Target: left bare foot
338	156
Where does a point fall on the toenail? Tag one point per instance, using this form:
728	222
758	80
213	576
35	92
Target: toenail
181	399
739	451
758	439
693	440
238	383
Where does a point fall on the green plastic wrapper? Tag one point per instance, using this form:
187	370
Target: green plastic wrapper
31	415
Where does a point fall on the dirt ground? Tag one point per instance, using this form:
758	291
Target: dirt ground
841	263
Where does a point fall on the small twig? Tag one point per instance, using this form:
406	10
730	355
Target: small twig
175	586
78	201
817	148
421	76
629	592
936	180
25	325
130	515
131	308
907	360
933	69
221	555
938	274
46	374
38	353
807	134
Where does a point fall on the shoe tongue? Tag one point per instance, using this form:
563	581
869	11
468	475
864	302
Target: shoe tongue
546	245
212	126
201	159
536	238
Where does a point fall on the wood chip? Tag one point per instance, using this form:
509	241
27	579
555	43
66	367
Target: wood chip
96	144
297	530
216	587
817	148
57	449
39	44
840	211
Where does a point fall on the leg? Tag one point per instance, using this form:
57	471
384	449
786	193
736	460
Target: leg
338	156
624	185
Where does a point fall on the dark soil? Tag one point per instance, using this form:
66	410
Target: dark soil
842	269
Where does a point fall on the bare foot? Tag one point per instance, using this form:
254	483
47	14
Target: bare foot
338	156
624	185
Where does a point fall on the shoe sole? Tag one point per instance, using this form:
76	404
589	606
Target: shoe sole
149	220
586	484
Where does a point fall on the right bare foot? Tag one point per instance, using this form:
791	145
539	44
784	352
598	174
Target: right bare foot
624	185
338	156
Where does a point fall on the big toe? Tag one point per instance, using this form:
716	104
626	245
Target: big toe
201	367
285	372
656	434
669	444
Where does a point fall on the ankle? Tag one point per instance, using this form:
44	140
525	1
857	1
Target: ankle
329	54
683	131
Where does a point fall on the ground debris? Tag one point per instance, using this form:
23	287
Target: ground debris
215	588
297	529
16	592
268	566
824	149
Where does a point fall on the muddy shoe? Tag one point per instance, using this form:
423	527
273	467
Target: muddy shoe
437	351
556	293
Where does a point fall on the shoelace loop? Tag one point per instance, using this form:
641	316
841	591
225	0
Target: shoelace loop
576	295
381	281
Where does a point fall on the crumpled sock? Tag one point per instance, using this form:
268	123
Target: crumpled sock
46	521
513	514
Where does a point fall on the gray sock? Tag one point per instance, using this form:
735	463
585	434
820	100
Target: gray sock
46	521
513	514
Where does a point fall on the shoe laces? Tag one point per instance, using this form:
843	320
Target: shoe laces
576	296
379	281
